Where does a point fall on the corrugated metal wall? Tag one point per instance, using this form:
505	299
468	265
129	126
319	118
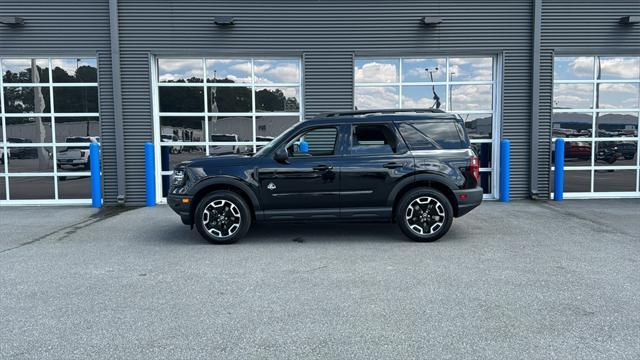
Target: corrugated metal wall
578	27
326	34
62	28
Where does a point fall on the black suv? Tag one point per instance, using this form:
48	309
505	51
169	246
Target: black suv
414	167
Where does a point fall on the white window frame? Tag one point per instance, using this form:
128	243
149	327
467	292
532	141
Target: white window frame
594	138
253	114
496	89
55	174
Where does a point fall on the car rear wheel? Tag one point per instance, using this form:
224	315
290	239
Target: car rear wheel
424	214
222	217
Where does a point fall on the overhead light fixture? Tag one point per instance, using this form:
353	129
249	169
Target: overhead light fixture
224	20
431	20
11	20
629	20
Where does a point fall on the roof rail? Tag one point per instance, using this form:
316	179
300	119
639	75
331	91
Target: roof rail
379	111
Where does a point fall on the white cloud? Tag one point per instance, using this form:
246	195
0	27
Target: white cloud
376	72
471	97
376	98
620	67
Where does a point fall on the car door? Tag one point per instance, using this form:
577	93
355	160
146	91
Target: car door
307	185
376	159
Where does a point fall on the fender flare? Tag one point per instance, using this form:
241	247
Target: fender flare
231	181
408	181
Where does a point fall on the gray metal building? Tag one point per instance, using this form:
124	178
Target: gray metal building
203	77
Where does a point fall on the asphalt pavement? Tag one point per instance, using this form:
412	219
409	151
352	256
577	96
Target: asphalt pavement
524	280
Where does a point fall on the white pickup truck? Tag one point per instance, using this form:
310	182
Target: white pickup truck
76	157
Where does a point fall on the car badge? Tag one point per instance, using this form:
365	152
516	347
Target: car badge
271	186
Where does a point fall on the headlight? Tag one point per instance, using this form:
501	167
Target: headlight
177	178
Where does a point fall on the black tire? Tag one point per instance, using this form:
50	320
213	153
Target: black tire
430	214
227	217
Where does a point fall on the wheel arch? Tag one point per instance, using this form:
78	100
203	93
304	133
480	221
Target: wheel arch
423	180
206	186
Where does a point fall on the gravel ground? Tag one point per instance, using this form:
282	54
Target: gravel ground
528	280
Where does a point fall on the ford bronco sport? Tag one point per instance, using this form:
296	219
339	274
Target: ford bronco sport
413	167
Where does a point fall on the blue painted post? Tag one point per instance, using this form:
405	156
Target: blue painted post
94	165
150	172
505	160
558	178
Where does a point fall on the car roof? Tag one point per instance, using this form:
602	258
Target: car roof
385	115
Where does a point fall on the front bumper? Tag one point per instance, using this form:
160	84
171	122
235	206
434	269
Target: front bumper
177	204
468	200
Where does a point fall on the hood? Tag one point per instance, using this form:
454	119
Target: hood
222	161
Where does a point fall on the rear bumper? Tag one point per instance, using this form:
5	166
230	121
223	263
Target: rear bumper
183	209
468	200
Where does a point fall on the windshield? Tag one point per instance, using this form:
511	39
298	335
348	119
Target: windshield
265	149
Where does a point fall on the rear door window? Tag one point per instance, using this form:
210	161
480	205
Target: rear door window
372	139
432	135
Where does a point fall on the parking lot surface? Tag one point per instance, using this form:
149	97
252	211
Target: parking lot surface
527	280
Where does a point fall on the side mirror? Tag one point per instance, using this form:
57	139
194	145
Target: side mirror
281	155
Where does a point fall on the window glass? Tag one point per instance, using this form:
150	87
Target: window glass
25	130
74	187
372	139
614	180
575	181
619	68
424	70
471	69
569	125
27	100
573	68
3	188
71	127
230	128
617	124
173	155
573	96
229	71
424	96
269	127
576	153
229	99
367	98
180	70
277	71
74	70
315	142
25	70
31	188
471	97
618	95
478	126
282	99
181	99
431	135
75	99
616	153
483	150
182	129
376	70
36	159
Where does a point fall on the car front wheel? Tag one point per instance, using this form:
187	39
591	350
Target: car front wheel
424	214
222	217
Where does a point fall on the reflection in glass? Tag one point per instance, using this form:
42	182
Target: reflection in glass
25	70
576	153
229	99
74	187
27	130
71	127
3	188
74	70
619	68
471	69
181	99
573	96
485	182
284	99
424	96
180	70
574	181
173	155
268	127
74	157
568	125
617	96
617	124
471	97
230	128
614	180
276	71
424	70
483	150
376	70
26	100
31	187
479	126
182	129
229	71
573	68
376	97
229	149
38	159
75	99
616	153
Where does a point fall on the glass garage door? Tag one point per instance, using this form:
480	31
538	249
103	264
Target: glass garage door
464	85
207	106
596	106
49	113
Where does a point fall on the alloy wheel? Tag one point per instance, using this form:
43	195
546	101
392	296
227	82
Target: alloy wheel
425	215
221	218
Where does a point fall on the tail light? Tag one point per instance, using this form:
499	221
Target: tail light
474	167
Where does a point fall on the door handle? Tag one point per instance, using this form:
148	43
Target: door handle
322	168
392	165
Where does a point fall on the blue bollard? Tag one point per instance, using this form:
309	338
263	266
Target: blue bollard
505	160
150	172
94	165
558	178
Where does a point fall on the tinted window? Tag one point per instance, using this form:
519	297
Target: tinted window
315	142
432	135
372	139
